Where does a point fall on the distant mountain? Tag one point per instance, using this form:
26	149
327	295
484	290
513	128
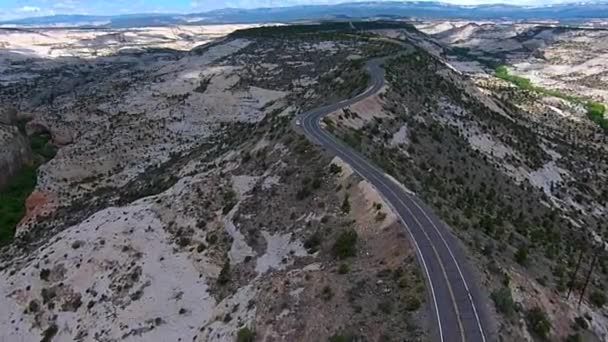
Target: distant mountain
418	9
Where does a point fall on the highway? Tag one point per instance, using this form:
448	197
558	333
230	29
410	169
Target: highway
456	305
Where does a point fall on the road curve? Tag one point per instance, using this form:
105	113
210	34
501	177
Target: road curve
457	306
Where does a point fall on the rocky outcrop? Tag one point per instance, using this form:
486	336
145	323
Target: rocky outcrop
8	116
15	153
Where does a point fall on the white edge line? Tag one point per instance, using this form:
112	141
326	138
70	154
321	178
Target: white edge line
466	286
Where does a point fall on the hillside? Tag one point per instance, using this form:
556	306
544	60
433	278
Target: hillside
181	205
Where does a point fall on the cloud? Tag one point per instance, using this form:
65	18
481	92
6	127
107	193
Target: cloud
29	9
65	5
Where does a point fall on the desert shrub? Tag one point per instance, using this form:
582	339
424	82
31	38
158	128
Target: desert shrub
342	338
412	303
224	277
302	193
327	293
335	169
344	268
345	205
245	335
580	323
313	242
229	201
346	244
504	301
538	322
521	256
574	338
380	216
316	183
598	298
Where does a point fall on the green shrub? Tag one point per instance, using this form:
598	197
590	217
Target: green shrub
327	293
538	322
504	301
303	193
342	338
574	338
345	205
224	277
245	335
521	256
316	183
346	244
598	298
229	201
335	169
313	242
580	323
380	216
595	112
412	303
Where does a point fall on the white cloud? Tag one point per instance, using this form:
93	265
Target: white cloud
29	9
65	5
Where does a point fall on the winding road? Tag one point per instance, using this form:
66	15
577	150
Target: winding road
457	306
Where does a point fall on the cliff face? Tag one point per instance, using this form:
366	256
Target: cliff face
15	152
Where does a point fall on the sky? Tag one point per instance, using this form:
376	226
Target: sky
13	9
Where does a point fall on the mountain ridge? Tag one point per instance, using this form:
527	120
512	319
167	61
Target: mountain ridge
419	9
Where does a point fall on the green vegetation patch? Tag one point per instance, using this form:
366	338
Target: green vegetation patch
12	202
595	110
12	199
40	144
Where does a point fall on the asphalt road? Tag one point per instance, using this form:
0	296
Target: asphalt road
456	304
